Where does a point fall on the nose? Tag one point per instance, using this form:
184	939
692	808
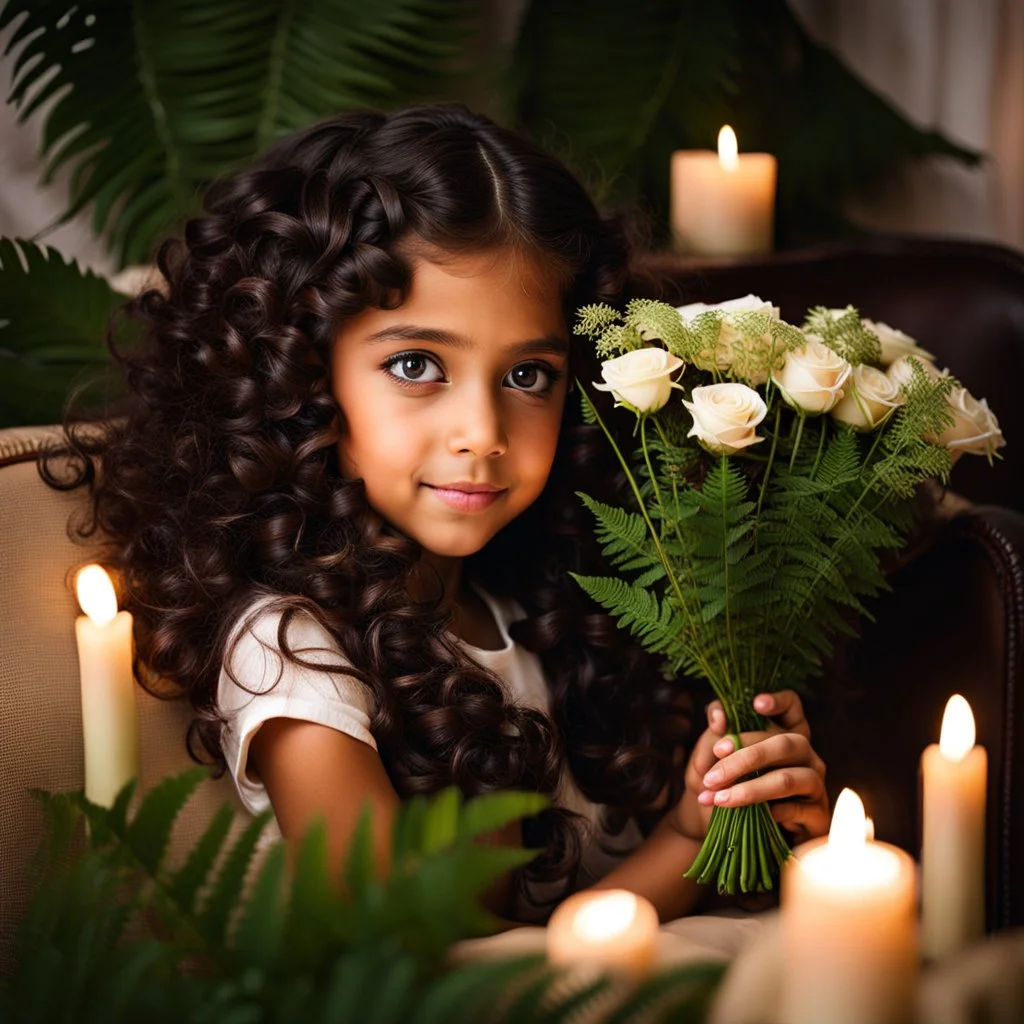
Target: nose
478	426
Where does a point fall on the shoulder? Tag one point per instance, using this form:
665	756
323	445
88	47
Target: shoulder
273	646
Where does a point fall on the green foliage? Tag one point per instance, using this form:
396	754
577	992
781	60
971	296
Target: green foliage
844	333
618	91
114	934
744	568
153	100
53	324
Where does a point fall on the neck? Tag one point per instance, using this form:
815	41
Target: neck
436	569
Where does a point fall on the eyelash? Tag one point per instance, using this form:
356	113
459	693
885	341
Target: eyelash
553	375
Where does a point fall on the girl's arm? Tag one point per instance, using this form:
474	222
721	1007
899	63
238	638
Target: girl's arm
312	771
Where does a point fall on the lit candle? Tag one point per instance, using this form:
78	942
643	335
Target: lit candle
848	927
104	638
953	775
722	204
609	930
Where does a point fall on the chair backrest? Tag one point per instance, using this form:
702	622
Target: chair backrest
40	703
964	301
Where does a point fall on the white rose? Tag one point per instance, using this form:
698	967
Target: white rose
975	430
725	417
641	379
732	346
895	344
870	397
812	378
902	374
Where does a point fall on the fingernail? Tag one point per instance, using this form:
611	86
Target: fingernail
714	776
705	797
722	796
723	746
763	703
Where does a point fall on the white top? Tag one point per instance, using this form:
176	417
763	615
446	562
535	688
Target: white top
282	689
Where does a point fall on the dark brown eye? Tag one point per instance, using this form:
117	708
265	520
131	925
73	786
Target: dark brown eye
531	378
414	368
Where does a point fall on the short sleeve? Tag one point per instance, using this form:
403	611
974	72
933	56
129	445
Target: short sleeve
273	686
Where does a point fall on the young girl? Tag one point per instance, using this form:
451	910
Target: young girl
342	508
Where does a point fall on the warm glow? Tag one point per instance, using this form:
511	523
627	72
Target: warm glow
869	828
728	149
957	736
606	916
96	594
849	824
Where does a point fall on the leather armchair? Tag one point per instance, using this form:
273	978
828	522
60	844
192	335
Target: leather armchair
954	620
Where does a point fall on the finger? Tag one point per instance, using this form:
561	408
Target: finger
702	760
807	819
780	784
778	750
786	708
716	717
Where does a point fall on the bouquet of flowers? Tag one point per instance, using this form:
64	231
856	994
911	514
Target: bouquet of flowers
764	499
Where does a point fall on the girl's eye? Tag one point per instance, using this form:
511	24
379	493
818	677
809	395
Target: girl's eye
414	368
532	378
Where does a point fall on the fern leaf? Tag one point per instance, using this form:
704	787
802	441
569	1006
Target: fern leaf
150	830
469	993
184	885
651	621
226	893
261	924
442	820
492	811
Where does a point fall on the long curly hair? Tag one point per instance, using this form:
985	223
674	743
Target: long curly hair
219	482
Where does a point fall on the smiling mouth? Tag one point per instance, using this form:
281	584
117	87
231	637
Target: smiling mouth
467	497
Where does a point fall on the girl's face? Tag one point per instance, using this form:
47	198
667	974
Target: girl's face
452	402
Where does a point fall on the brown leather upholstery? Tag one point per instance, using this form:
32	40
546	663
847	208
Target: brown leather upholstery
954	621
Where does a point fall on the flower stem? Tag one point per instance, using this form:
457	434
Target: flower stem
799	434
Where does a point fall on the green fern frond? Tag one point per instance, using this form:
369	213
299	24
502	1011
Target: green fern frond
226	892
149	833
651	621
658	320
184	886
844	333
261	922
623	536
592	320
492	811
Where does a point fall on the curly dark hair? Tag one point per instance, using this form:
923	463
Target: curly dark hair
220	482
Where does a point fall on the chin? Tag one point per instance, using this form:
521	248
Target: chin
454	546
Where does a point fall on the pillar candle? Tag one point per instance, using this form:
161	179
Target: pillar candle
608	930
953	775
849	927
104	637
722	204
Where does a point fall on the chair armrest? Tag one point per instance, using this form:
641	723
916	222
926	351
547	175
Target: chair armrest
952	623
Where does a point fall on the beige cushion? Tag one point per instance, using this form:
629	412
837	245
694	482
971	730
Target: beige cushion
40	709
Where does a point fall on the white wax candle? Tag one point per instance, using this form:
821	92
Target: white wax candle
954	774
722	204
608	930
109	726
848	927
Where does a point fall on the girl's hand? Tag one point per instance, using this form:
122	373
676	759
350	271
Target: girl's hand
792	775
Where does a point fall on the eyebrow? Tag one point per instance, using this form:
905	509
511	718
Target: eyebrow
411	332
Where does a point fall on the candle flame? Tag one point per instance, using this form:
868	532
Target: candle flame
849	824
869	829
96	594
957	736
606	916
728	149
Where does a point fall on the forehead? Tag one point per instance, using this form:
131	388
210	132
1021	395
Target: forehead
495	295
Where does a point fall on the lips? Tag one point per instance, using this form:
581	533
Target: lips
465	496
